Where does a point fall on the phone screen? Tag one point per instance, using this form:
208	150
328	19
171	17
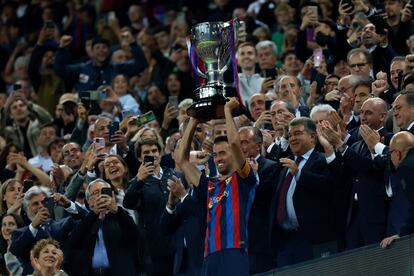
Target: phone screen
148	159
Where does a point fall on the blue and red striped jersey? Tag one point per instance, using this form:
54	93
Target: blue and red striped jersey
228	203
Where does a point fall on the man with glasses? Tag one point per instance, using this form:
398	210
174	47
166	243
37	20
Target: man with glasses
360	63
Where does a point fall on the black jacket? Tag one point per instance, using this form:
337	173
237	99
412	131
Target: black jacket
120	235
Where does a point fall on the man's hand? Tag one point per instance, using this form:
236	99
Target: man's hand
41	217
290	164
61	200
175	186
264	118
309	19
170	113
253	163
337	123
232	104
344	9
346	104
145	170
334	137
199	157
409	63
332	96
242	121
120	139
65	41
388	241
406	13
267	84
379	86
328	148
370	136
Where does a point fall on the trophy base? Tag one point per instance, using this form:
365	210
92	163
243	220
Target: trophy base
208	108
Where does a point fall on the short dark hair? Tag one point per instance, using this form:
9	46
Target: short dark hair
220	139
56	141
309	125
409	96
147	141
359	83
45	125
287	52
258	136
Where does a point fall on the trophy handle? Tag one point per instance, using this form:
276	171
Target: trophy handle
230	24
195	66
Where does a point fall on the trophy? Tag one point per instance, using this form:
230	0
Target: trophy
211	47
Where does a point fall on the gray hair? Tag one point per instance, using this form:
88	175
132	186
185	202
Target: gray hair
320	108
98	180
266	44
34	191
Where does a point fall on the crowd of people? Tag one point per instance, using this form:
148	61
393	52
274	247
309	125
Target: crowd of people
103	172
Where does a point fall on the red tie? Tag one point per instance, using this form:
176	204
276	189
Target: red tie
281	206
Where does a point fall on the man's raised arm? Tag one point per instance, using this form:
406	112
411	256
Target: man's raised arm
192	174
233	135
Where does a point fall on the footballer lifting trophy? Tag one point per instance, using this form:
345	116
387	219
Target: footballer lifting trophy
211	49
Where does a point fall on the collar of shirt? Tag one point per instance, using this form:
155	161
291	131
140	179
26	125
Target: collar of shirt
411	125
160	176
307	154
257	157
113	150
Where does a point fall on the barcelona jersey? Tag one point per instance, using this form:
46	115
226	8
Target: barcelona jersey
228	202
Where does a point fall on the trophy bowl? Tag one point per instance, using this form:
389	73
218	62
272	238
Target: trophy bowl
212	44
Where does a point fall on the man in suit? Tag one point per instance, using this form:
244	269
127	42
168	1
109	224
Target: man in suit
107	238
402	158
148	194
301	212
260	256
36	202
366	215
184	217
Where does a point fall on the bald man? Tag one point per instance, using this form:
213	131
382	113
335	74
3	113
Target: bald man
401	188
366	214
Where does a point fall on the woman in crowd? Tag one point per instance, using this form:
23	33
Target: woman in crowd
7	169
11	197
9	223
47	257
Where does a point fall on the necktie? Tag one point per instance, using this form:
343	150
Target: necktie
281	207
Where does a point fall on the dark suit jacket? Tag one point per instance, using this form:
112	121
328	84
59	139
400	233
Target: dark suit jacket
367	181
149	198
23	240
276	153
120	235
259	214
187	222
404	179
312	201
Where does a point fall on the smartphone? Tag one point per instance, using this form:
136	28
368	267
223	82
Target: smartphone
268	104
317	57
148	159
269	73
127	113
113	127
314	10
146	118
92	95
310	35
320	82
17	87
173	101
99	141
50	24
49	203
27	184
106	191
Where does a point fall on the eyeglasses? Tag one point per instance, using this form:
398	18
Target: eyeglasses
67	153
359	65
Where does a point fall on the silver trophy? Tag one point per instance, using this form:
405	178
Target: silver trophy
211	41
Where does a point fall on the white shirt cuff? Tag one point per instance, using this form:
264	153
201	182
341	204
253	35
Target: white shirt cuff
72	208
33	230
347	137
182	199
169	211
330	158
91	174
379	148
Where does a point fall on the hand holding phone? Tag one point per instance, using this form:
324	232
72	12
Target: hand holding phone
113	128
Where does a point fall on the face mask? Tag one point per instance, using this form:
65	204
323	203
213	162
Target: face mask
322	39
